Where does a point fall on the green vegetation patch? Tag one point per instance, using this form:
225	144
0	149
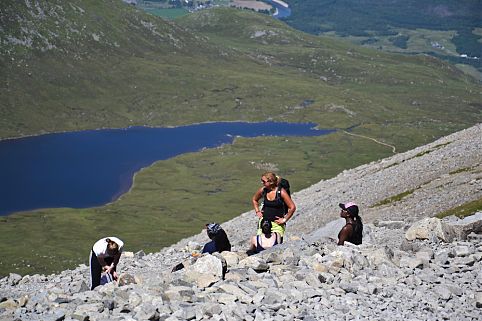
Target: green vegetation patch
463	210
409	41
395	198
462	170
429	151
169	13
380	24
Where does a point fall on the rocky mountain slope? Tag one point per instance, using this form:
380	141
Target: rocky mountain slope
406	269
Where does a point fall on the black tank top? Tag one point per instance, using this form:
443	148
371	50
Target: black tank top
272	209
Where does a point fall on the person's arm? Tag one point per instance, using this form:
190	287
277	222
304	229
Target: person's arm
102	263
116	260
291	208
255	201
114	266
278	237
344	234
252	243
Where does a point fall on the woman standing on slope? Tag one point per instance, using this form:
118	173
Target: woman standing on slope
353	229
275	199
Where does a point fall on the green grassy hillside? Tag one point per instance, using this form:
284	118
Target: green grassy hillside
90	64
441	28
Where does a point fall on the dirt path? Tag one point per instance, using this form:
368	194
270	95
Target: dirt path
394	150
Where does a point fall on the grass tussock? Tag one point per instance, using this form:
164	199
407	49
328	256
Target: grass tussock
395	198
461	170
463	210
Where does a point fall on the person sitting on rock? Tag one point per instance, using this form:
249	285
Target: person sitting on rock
219	239
353	229
104	257
219	243
266	240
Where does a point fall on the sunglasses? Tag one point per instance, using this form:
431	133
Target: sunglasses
264	182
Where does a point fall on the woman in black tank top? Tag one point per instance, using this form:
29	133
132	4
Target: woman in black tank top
274	200
272	209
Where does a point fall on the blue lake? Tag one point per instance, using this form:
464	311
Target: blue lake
91	168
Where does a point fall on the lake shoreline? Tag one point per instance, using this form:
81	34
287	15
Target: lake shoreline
58	170
146	126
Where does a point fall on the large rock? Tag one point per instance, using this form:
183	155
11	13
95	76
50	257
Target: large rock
447	230
478	300
379	256
208	269
254	262
460	229
330	230
426	228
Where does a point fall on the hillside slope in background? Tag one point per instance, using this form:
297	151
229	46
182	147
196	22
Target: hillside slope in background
389	277
90	64
446	29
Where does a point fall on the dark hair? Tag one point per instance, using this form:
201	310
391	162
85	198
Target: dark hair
357	230
112	246
266	227
221	240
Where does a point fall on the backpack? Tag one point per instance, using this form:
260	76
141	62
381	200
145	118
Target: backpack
106	278
285	184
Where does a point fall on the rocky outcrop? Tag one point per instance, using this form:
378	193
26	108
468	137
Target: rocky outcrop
446	231
411	266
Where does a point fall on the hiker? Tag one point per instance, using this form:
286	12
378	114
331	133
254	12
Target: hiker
264	241
219	243
219	239
278	207
353	229
104	257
